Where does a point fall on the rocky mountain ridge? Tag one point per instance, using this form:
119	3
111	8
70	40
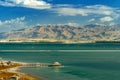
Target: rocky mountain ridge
85	33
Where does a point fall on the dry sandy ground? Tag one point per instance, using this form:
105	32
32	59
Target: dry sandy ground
6	73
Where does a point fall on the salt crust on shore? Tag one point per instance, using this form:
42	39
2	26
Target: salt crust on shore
7	72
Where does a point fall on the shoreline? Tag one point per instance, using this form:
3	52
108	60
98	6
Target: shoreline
11	71
44	40
62	41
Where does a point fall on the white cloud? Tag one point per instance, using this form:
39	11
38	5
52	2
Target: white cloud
71	11
88	10
111	24
0	23
106	19
91	20
73	24
62	6
36	4
12	24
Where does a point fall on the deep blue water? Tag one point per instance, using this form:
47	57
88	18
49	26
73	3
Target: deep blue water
103	64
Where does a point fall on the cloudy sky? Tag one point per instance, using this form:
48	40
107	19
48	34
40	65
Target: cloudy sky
16	14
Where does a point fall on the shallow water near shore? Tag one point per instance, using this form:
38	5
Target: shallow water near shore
94	61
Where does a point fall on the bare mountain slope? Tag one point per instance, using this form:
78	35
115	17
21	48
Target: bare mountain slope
88	32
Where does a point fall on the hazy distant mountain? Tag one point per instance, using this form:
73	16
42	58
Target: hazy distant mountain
88	32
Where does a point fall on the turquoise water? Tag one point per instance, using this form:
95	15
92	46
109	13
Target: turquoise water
81	61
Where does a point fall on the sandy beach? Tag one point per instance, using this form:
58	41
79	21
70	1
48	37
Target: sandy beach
9	70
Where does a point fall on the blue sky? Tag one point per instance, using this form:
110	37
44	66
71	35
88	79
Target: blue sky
17	14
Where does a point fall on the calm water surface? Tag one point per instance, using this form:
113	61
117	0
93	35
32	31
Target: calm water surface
96	61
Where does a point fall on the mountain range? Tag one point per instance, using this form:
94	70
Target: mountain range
89	32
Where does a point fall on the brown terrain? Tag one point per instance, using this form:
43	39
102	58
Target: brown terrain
65	32
7	74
